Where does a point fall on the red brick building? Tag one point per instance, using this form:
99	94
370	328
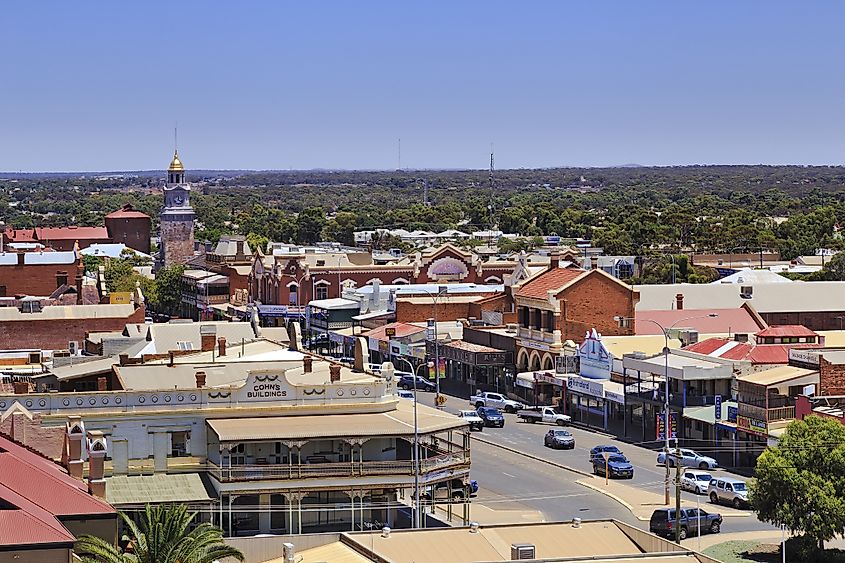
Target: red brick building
292	279
54	327
564	304
130	227
38	273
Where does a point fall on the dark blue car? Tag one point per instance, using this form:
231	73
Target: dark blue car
491	417
617	465
597	452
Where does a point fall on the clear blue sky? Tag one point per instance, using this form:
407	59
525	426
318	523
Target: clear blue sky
276	85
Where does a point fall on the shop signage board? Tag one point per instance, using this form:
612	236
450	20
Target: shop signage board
660	425
585	387
752	425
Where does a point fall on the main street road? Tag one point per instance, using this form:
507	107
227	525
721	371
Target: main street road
527	439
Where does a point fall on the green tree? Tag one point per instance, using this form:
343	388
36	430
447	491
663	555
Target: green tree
162	536
800	483
341	228
257	242
120	275
168	289
309	225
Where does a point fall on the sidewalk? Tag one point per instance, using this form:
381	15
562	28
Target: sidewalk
642	502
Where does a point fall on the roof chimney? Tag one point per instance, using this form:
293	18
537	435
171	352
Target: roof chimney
334	373
221	346
594	262
306	363
679	301
20	258
102	384
21	387
74	434
554	260
208	334
200	375
79	289
96	459
170	361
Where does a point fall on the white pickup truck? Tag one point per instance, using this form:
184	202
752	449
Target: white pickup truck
496	400
544	414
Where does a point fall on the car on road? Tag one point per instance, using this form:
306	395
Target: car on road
496	400
475	421
459	490
544	414
695	481
663	522
728	490
599	450
423	384
688	458
491	417
617	465
559	439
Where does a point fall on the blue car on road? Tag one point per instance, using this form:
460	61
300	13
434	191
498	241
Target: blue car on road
617	465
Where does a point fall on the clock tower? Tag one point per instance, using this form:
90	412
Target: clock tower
177	217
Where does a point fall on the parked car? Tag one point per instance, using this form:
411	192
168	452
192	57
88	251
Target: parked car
617	465
475	421
559	439
695	481
402	394
599	450
688	458
496	400
459	490
728	490
491	417
544	414
423	384
663	522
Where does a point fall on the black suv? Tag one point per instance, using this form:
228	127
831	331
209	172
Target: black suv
407	382
663	522
491	417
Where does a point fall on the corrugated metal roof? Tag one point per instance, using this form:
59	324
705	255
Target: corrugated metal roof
402	330
398	422
161	487
787	331
71	233
734	320
776	375
19	527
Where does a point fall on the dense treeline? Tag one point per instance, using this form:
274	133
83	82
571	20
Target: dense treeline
790	209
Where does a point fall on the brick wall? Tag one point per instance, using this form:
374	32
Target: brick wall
34	279
177	241
831	378
593	302
54	334
134	232
407	312
46	440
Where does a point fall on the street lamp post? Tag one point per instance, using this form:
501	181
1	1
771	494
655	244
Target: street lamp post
441	290
416	447
666	417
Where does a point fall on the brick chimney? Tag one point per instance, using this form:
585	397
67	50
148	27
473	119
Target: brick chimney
74	434
307	361
200	375
170	361
102	384
594	262
221	346
679	301
20	258
208	335
334	373
78	289
554	260
20	387
96	459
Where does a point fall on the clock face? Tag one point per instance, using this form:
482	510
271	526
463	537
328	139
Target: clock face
178	200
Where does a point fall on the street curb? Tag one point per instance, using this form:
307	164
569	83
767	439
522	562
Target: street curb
614	497
531	456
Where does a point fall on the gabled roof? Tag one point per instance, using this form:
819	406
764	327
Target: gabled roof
127	212
739	319
552	280
758	354
783	331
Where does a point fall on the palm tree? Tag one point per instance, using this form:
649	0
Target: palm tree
161	537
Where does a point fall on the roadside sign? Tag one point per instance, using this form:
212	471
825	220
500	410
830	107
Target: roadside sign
440	400
673	424
390	332
718	402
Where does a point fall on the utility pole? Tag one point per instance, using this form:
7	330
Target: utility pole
677	492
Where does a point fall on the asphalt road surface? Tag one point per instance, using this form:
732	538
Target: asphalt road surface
504	476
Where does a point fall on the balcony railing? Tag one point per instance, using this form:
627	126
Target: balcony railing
343	469
781	413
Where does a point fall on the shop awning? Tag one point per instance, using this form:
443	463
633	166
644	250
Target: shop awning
397	422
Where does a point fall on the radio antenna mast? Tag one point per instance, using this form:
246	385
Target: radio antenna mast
492	191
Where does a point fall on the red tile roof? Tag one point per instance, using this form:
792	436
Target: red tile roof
554	279
127	212
782	331
735	320
71	233
402	330
19	235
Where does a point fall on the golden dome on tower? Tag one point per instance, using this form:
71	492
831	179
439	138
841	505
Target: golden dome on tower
176	164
